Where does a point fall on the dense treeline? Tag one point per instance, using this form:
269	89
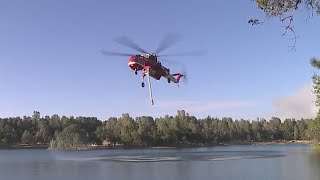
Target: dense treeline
32	130
181	129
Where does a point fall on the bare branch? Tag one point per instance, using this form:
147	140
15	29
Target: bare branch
285	10
290	28
309	6
293	47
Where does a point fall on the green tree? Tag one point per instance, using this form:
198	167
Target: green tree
10	135
287	129
101	134
296	133
302	129
207	130
245	128
275	128
27	137
36	115
257	130
127	129
287	8
112	130
55	123
43	133
315	125
70	137
145	132
166	130
223	130
195	136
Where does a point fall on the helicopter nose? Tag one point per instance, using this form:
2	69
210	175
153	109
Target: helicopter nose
134	64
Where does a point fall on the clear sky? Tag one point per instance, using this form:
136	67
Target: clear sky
50	59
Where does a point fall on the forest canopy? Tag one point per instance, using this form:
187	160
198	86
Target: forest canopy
181	129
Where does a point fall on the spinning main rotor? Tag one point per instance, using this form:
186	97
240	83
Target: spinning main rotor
168	41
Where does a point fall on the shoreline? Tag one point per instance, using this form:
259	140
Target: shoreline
101	147
23	146
270	142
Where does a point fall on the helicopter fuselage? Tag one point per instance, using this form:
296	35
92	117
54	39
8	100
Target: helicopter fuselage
148	64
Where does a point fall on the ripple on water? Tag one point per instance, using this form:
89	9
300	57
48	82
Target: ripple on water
213	156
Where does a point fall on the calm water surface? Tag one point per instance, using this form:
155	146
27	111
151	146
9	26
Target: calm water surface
244	162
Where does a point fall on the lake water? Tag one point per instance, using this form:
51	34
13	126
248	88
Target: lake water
240	162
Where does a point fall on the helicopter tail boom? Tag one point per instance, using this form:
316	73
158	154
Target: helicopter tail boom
175	77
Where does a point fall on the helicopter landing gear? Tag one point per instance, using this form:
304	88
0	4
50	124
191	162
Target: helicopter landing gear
146	73
169	81
143	75
135	72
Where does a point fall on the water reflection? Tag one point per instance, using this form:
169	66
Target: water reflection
228	163
186	156
314	160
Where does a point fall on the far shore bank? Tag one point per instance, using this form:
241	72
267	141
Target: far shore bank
268	142
97	147
24	146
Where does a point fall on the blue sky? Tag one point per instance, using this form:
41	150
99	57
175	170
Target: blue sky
50	59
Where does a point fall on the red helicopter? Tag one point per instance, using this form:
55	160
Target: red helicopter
148	63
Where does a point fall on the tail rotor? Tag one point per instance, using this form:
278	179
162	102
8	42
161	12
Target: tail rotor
184	78
181	77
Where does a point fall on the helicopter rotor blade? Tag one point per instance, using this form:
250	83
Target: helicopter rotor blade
190	53
185	74
129	43
110	53
173	63
167	41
